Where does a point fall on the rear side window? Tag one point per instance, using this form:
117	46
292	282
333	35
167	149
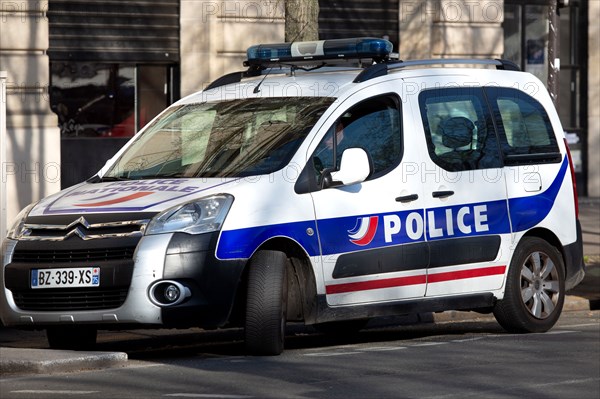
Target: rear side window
459	129
525	131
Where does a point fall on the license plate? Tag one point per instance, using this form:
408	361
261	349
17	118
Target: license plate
65	277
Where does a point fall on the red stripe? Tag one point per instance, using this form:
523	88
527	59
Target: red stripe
375	284
413	280
118	200
463	274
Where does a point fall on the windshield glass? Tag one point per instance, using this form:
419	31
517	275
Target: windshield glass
233	138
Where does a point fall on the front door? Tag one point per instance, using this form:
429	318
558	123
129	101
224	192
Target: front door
371	233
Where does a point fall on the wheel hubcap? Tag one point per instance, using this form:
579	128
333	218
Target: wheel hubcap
540	290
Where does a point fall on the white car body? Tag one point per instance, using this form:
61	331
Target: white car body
340	239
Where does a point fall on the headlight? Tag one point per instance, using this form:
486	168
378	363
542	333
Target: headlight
201	216
16	230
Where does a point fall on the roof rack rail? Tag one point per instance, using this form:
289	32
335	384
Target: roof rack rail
383	68
234	77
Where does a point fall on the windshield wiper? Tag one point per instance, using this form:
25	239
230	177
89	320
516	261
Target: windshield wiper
98	179
163	175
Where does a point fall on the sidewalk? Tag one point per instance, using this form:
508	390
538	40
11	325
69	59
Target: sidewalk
16	358
47	361
589	216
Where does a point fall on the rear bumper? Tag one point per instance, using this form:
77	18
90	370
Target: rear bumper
574	265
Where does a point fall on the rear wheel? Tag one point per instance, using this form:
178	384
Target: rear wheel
71	338
535	288
266	303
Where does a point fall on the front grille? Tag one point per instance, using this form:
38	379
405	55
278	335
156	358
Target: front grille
83	229
70	299
61	231
73	256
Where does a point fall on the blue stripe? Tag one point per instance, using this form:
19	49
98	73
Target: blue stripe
334	232
525	212
496	215
241	243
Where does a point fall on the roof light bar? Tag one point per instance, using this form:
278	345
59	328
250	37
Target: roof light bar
335	49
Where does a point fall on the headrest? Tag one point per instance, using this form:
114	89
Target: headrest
457	132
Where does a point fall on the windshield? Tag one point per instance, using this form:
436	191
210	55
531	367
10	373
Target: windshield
233	138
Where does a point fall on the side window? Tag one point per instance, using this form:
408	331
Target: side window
373	125
459	129
525	131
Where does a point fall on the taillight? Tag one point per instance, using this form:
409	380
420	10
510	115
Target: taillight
572	167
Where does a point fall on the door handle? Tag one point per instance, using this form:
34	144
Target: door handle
442	194
407	198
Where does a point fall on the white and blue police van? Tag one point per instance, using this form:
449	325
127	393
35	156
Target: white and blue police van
328	183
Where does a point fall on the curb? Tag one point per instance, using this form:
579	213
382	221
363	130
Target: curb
572	303
43	361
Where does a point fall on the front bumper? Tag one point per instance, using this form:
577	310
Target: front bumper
185	258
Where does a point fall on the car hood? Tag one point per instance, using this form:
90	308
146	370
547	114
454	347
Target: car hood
128	196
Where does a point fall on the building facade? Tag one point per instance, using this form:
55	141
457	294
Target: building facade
31	160
592	104
84	76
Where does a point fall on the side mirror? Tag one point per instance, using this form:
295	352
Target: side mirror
354	167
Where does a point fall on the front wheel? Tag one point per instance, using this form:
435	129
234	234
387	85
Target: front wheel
266	303
535	288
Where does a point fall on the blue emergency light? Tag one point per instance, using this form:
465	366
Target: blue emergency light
334	49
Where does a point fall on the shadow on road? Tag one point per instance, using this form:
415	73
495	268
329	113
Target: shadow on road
207	344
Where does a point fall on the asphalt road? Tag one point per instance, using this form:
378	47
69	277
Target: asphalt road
459	359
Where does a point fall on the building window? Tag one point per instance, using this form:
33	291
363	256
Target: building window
526	37
95	99
525	29
354	18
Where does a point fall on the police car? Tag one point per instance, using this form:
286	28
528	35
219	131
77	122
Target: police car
328	183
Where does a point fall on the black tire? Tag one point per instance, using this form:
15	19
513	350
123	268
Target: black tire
535	288
266	303
71	338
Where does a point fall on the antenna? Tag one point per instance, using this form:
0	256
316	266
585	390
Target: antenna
257	88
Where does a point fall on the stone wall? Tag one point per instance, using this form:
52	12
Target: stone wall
451	29
215	36
32	168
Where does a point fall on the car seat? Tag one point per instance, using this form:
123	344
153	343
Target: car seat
457	134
